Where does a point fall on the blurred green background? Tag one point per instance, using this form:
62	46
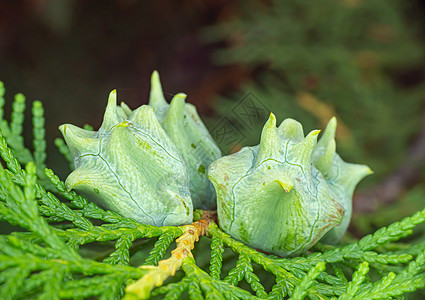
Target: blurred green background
361	60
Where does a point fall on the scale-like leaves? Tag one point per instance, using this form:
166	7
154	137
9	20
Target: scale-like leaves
64	247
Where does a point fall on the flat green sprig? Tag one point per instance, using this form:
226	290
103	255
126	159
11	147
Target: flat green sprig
51	249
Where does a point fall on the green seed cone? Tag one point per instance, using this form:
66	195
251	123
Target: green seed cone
275	197
131	166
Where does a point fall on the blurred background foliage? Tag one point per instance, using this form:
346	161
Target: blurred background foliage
320	58
361	60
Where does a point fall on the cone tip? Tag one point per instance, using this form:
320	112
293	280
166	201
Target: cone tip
285	186
315	132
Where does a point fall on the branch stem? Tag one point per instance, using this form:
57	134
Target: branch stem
156	275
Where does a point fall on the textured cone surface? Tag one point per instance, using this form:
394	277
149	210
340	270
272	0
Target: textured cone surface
342	177
272	197
131	166
183	125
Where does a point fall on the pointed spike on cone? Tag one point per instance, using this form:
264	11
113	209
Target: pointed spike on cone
269	140
110	118
306	148
177	103
73	179
180	95
362	171
144	116
79	140
125	108
156	97
324	163
75	130
112	99
311	139
286	186
121	113
291	129
175	113
354	173
328	134
84	177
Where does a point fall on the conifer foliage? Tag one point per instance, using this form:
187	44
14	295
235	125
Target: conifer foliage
50	251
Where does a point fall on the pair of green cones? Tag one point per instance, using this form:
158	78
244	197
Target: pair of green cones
158	163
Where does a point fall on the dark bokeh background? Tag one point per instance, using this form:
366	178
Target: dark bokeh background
71	53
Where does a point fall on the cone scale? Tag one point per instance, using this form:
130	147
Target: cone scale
288	192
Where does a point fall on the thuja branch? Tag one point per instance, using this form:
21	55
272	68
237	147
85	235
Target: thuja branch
142	288
285	277
259	258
